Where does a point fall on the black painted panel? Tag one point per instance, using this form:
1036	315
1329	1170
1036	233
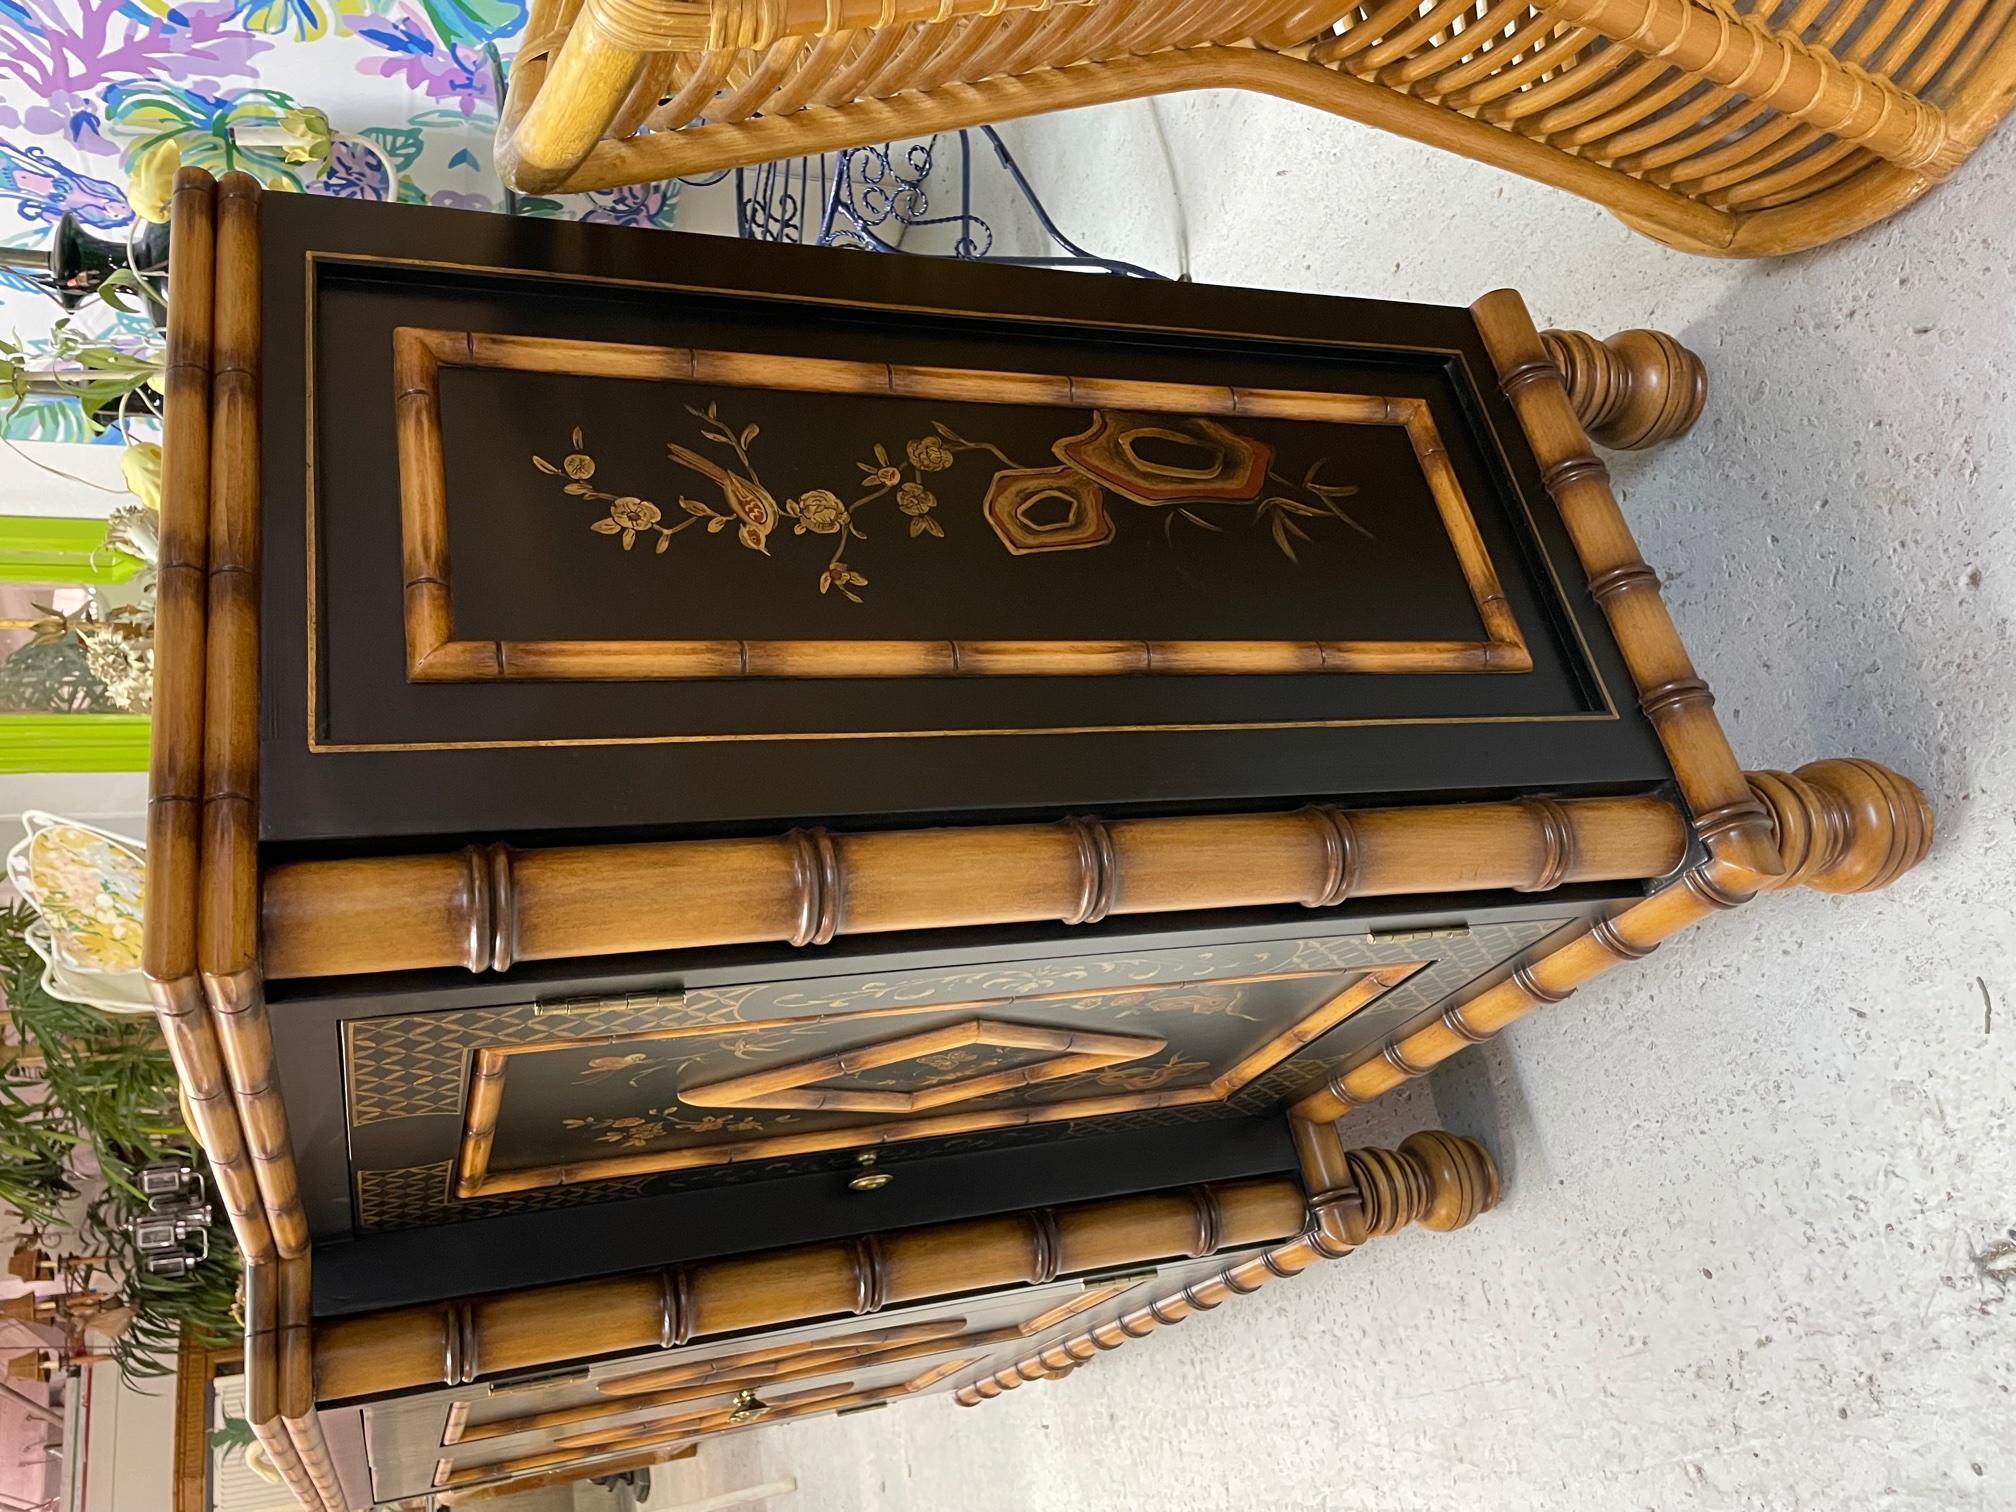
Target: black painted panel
400	760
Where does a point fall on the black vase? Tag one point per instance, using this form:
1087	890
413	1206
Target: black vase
76	264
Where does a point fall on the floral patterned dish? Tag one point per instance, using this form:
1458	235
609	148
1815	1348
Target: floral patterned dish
87	885
110	991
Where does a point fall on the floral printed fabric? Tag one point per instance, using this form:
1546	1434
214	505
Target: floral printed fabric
88	85
88	890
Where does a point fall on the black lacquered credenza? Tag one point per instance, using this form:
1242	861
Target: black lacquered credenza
741	832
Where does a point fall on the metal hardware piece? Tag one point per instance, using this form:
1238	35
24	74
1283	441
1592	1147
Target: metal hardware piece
870	1180
537	1382
1118	1278
635	1002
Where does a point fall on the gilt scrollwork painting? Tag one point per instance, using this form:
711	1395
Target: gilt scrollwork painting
1190	471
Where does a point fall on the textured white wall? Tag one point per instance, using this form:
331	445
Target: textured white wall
1747	1178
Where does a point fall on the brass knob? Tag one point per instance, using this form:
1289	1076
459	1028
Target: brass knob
870	1179
746	1407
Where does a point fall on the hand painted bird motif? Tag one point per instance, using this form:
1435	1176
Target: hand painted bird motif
750	501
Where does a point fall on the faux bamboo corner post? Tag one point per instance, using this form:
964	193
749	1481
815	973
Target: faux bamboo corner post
1717	131
1842	826
1729	819
200	942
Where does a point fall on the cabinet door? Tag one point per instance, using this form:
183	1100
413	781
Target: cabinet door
555	543
480	1112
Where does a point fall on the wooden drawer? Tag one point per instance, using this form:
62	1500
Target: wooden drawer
482	1435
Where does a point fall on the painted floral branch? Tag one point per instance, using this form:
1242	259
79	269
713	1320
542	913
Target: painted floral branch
751	508
754	513
821	512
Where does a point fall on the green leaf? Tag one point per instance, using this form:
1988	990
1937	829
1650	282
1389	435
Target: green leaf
402	145
473	22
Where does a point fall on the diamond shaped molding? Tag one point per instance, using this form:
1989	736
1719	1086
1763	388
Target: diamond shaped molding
795	1086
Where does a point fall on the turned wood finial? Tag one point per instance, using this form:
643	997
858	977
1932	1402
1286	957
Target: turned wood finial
1845	825
1439	1180
1461	1176
1635	390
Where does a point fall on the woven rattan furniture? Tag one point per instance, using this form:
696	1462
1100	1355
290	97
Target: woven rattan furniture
1717	127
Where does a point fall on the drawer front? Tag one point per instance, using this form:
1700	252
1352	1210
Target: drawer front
477	1113
773	545
479	1435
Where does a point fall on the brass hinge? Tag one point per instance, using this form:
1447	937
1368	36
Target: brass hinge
538	1382
1118	1278
635	1002
864	1407
1408	936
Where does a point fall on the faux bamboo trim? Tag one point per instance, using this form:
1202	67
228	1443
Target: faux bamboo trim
1442	1181
1729	819
332	918
752	1371
177	776
274	1376
293	1355
434	654
228	880
200	936
457	1342
586	1459
1840	826
788	1086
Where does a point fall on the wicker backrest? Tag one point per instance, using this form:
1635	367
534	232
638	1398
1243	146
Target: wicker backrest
1716	126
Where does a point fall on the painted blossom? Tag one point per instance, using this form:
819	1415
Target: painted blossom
633	205
442	70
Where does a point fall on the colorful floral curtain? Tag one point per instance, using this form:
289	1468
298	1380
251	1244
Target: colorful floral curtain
367	99
86	86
